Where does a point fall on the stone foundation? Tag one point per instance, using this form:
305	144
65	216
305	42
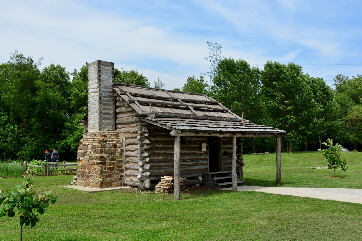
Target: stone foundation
100	160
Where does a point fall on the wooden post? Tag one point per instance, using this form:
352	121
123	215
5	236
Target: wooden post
278	161
47	168
176	176
234	175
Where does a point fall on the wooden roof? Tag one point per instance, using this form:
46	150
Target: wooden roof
188	113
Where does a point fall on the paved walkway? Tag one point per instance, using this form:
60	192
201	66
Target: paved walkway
337	194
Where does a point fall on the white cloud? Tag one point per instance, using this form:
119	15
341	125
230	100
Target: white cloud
167	40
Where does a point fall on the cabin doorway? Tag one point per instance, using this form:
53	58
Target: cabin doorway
214	144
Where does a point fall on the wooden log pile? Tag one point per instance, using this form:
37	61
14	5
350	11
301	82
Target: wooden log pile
166	185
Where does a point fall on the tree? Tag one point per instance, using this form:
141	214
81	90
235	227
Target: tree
18	101
79	90
194	85
353	126
17	79
333	156
349	99
288	100
351	89
340	78
237	86
325	121
52	104
130	77
25	203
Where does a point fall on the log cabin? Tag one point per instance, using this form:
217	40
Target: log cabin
134	135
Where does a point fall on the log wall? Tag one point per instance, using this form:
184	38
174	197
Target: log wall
129	127
160	152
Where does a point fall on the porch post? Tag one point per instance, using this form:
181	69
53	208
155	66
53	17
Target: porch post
234	175
278	161
176	176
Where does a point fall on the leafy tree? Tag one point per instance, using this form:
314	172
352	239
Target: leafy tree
79	90
353	126
25	203
348	95
194	85
78	101
237	86
52	104
17	79
11	137
288	100
323	110
130	77
351	89
18	101
340	78
333	156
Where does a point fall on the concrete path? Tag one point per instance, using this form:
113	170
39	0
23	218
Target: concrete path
337	194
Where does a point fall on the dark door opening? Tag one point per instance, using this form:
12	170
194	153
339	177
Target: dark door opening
214	154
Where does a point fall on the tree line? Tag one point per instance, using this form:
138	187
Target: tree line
282	96
41	109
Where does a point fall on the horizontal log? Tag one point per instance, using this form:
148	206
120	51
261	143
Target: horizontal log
129	173
192	175
123	109
125	115
63	170
127	120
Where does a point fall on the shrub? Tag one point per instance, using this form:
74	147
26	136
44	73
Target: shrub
37	171
333	156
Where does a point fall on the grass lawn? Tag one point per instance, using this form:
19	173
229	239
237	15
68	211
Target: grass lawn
260	170
202	214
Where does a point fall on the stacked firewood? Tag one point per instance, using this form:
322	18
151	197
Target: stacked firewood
166	184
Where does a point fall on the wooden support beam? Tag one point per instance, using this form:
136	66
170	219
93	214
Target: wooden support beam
176	177
234	175
279	161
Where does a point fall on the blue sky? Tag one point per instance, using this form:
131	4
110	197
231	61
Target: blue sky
168	39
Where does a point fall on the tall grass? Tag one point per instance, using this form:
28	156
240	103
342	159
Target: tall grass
11	170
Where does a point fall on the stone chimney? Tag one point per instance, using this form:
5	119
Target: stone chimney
101	101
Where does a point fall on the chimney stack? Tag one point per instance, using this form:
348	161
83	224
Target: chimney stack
101	101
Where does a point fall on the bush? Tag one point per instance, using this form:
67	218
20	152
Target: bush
11	170
36	171
333	156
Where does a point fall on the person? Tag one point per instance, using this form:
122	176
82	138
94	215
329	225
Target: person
48	156
55	155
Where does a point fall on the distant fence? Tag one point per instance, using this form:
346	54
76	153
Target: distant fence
50	167
55	167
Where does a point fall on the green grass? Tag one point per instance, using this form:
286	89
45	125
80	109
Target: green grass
200	214
261	170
